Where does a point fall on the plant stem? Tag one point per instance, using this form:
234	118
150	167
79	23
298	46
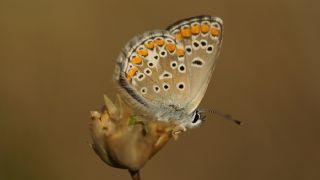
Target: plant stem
135	175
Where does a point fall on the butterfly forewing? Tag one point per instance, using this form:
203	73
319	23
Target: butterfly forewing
201	37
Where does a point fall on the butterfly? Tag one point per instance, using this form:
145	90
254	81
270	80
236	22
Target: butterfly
164	74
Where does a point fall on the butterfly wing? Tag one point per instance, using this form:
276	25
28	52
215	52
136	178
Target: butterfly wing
158	76
146	71
201	37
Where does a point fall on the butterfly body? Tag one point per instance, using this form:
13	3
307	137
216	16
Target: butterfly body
165	73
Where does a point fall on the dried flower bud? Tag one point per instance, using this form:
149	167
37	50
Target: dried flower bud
125	140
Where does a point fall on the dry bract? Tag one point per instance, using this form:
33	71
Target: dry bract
125	140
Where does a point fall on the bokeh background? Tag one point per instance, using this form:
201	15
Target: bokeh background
57	59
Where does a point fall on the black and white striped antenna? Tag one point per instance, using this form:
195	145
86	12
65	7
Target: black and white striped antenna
225	116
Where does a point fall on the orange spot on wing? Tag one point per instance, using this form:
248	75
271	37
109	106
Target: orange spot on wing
185	32
178	36
205	28
142	52
215	32
159	41
149	44
132	72
180	52
195	28
171	47
136	60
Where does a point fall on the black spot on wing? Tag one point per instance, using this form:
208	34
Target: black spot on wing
197	62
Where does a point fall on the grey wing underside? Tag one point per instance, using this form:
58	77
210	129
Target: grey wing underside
198	64
152	103
200	76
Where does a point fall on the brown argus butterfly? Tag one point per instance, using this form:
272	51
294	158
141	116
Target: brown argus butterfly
162	76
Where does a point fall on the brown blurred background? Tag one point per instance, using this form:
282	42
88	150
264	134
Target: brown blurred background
57	60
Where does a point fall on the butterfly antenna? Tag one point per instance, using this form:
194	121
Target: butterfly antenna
226	116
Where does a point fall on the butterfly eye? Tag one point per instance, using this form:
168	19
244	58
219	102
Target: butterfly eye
196	118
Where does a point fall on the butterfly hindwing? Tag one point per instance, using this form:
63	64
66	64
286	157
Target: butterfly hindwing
147	71
166	73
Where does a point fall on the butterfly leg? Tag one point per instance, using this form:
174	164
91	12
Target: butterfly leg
178	130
